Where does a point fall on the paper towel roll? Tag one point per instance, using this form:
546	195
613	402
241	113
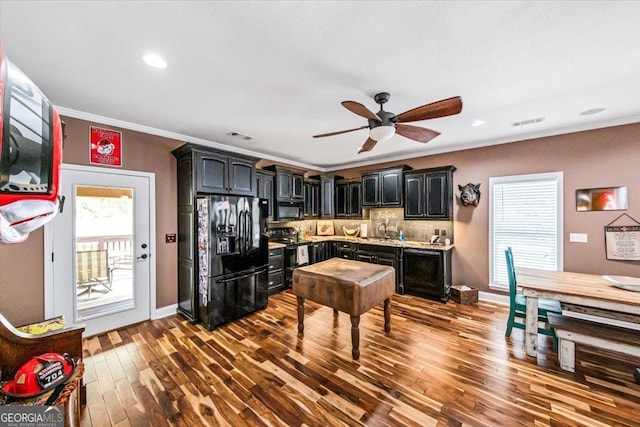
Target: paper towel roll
363	230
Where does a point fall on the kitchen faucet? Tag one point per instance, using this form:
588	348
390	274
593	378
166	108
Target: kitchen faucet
386	236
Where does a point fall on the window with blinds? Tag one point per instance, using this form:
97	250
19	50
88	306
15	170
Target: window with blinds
526	214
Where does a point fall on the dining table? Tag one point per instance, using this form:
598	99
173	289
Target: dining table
575	289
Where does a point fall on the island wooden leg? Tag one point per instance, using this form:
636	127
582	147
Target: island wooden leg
355	337
300	315
387	315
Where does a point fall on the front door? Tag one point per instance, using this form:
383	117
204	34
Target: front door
100	249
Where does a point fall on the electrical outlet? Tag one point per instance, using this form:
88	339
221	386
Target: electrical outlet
443	232
436	231
169	238
578	237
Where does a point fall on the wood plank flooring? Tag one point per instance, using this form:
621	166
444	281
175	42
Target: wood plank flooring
441	364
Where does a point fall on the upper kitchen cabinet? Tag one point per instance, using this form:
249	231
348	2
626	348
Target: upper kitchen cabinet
327	195
429	193
383	188
265	188
218	172
311	198
289	184
348	199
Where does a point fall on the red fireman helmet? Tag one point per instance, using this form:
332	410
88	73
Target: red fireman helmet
40	374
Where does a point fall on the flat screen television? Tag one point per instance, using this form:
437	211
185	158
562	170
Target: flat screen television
30	155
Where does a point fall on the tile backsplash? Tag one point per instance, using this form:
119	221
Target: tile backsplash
391	219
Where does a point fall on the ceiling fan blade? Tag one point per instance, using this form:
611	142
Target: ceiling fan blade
338	132
443	108
416	133
367	146
360	110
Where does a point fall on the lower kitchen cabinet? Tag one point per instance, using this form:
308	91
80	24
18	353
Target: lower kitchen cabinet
276	270
427	273
383	255
320	251
346	250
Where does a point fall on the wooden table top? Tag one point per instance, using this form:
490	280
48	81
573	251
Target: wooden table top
347	270
574	284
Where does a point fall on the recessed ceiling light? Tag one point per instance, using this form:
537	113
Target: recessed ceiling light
478	122
592	111
154	61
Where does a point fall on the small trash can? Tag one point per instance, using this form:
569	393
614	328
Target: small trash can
463	294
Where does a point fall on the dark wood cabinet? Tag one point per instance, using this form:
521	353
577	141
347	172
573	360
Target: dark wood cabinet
219	173
383	188
327	196
276	270
311	199
341	200
427	273
384	255
289	184
320	251
348	199
201	170
346	250
429	194
265	189
297	186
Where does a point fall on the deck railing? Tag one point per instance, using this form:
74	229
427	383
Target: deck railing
118	246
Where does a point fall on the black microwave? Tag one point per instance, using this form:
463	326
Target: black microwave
289	210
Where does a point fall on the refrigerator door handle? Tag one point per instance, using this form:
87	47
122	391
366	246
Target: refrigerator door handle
251	273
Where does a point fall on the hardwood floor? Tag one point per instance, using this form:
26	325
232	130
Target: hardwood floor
441	364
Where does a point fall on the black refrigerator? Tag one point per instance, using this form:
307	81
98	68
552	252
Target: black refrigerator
233	258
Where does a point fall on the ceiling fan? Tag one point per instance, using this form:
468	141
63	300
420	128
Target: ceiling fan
384	124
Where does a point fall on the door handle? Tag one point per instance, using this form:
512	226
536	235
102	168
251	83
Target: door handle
143	256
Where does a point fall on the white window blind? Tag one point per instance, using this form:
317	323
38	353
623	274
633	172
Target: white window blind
526	214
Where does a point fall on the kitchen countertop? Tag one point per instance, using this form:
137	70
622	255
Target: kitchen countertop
382	242
276	245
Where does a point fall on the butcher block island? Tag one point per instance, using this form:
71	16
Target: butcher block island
352	287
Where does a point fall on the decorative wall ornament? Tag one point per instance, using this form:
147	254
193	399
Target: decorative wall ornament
622	242
470	194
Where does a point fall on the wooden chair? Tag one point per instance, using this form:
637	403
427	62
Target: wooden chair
93	271
17	348
518	306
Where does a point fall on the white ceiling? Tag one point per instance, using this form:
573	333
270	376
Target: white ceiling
278	70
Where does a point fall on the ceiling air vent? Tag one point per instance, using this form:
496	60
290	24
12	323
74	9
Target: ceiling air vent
527	122
240	135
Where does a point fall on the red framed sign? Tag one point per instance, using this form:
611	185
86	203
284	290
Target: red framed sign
105	146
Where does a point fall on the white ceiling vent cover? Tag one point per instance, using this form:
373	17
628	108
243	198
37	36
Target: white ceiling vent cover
240	135
528	122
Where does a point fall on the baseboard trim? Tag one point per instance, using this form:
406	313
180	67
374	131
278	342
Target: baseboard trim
497	298
166	311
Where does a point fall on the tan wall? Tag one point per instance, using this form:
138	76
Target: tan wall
599	158
21	265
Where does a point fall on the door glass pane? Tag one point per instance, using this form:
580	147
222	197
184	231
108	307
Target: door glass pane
104	262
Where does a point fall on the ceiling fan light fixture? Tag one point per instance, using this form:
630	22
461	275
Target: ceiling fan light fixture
382	133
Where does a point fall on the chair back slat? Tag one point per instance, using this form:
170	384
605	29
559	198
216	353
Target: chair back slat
91	265
511	273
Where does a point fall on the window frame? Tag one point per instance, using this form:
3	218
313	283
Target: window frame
558	177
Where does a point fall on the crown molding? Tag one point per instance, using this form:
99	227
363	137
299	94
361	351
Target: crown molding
330	168
68	112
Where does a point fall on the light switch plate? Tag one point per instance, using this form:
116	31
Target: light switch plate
578	237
